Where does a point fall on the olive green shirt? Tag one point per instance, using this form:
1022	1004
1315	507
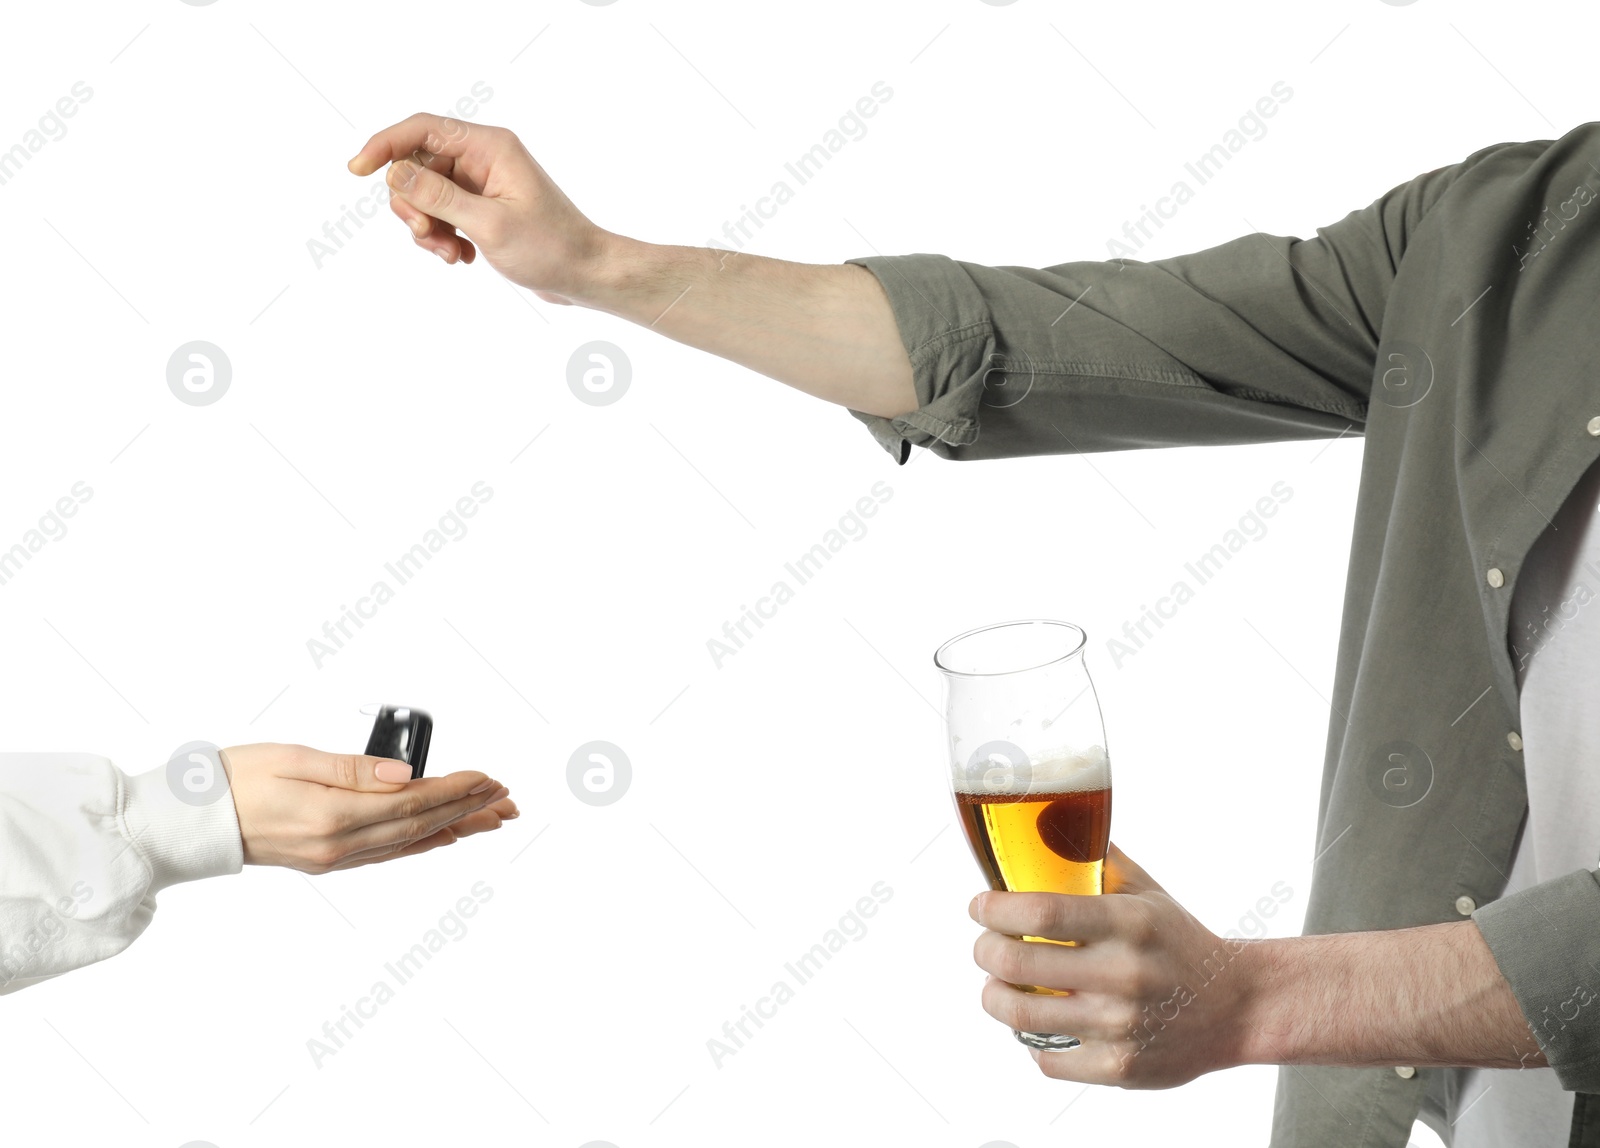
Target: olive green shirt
1454	324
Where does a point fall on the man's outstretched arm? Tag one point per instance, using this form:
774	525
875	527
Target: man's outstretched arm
1264	338
826	329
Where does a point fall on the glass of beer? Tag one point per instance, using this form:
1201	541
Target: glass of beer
1028	764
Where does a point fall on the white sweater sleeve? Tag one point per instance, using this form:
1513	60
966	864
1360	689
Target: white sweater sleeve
84	848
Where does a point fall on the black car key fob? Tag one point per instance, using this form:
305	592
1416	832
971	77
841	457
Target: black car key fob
402	733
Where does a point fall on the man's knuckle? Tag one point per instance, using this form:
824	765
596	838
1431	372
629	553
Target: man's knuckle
1015	962
1129	980
1019	1011
1043	914
1121	1070
437	194
1056	1067
1122	1015
981	950
1143	929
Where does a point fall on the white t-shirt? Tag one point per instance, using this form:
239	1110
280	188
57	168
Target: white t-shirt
1555	645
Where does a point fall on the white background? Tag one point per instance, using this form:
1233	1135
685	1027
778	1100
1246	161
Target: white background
371	393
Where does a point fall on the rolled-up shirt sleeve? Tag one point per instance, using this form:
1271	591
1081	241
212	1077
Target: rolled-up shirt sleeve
1546	940
1262	338
84	849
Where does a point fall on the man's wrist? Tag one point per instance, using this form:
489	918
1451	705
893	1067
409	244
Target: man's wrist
620	275
1346	999
1265	1030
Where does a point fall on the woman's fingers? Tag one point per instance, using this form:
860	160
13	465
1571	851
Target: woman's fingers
350	813
342	772
484	820
416	826
389	853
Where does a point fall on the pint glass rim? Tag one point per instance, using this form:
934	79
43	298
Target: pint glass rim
940	656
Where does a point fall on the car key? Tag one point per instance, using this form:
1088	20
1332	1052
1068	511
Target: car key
402	733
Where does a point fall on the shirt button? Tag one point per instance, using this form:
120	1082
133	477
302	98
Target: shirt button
1405	1072
1465	905
1514	740
1495	578
1594	426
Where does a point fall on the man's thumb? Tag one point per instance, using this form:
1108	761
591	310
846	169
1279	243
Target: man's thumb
442	198
1122	875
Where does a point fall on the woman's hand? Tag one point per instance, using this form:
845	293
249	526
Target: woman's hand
448	174
316	811
1155	997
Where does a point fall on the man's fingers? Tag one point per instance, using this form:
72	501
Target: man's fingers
431	234
1026	962
419	133
1096	1062
440	197
1059	916
419	222
1085	1016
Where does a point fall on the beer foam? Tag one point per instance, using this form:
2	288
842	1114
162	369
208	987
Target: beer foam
1059	770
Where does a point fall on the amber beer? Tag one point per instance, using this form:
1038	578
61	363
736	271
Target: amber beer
1050	835
1028	764
1039	842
